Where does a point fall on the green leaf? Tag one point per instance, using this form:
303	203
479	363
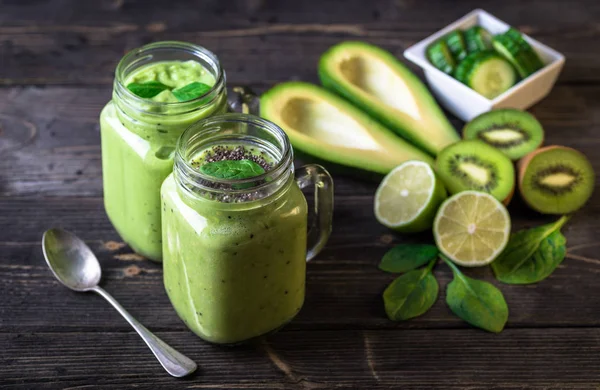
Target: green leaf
232	169
531	255
147	90
406	257
191	91
477	302
411	294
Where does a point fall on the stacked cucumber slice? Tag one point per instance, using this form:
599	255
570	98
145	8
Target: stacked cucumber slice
487	73
515	49
488	64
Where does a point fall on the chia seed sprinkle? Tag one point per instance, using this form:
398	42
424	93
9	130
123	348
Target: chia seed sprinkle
221	153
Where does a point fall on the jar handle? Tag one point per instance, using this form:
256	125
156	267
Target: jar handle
242	99
320	229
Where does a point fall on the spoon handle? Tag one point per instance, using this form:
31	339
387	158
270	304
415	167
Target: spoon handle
174	362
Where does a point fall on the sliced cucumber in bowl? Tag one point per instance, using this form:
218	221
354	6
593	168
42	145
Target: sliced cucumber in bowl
456	43
477	39
523	58
517	37
441	57
487	73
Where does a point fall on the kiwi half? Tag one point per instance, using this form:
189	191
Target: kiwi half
514	132
556	179
474	165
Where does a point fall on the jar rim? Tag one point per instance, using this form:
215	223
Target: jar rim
199	51
183	167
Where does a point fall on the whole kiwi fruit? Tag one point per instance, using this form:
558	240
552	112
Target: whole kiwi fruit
556	179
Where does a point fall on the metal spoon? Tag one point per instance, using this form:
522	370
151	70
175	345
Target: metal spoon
74	265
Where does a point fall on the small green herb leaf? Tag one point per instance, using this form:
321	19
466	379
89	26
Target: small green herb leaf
531	255
477	302
147	90
232	169
191	91
411	294
406	257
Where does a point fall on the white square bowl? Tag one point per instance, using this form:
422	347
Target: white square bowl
464	102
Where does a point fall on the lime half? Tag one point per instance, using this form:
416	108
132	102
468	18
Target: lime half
471	228
408	197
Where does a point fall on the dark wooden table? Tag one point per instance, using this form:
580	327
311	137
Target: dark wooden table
56	68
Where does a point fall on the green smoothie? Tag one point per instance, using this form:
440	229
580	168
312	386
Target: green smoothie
138	142
234	268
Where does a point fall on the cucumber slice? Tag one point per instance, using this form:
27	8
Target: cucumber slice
516	36
440	56
456	44
477	39
518	56
486	73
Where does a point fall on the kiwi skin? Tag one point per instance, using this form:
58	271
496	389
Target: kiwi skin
522	166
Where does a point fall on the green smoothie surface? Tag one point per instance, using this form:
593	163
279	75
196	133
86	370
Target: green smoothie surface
173	74
233	152
232	162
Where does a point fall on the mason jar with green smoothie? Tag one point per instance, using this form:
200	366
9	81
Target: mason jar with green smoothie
159	90
234	222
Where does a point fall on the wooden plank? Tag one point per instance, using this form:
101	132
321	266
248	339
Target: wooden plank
344	285
50	137
257	40
407	359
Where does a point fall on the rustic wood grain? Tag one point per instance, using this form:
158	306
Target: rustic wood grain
56	64
351	359
260	40
343	287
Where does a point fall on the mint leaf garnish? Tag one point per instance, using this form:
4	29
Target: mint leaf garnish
147	90
232	169
191	91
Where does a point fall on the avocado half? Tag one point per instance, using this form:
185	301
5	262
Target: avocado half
375	81
328	128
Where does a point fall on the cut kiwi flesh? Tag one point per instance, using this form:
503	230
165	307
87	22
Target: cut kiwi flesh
474	165
556	180
514	132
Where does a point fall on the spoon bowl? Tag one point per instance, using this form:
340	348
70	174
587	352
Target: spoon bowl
75	265
71	260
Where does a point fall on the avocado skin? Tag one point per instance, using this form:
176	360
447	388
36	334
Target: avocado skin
377	110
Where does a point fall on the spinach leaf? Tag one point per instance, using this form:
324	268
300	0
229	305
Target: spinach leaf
406	257
191	91
232	169
531	255
147	90
411	294
477	302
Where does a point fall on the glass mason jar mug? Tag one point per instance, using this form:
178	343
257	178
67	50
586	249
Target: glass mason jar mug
139	134
235	251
